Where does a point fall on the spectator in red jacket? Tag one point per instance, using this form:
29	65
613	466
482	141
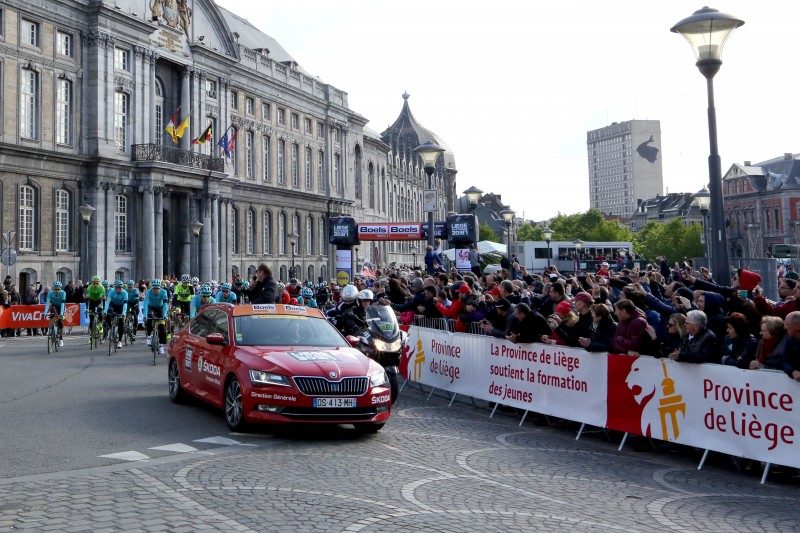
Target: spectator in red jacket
631	333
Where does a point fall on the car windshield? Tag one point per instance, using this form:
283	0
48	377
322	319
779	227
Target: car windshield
276	330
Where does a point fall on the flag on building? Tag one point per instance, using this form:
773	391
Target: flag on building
223	143
173	124
232	141
207	135
180	130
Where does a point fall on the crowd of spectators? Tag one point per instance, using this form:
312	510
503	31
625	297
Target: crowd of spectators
675	311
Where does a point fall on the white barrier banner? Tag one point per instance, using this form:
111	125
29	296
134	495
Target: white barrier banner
753	414
554	380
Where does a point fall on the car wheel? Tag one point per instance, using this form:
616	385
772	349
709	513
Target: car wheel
368	428
234	412
176	392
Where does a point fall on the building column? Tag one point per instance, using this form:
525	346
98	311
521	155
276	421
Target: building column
110	242
158	230
148	229
205	239
93	237
184	232
186	107
215	238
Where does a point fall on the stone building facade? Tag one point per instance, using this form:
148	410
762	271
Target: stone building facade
88	89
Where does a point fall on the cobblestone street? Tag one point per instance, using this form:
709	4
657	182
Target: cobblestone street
433	468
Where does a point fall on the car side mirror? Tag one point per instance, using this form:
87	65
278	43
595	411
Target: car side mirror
353	340
216	339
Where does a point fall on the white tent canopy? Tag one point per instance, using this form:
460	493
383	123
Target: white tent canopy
484	248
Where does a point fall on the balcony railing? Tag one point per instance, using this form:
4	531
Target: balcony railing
168	154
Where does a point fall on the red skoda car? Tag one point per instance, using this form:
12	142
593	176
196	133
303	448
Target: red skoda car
276	363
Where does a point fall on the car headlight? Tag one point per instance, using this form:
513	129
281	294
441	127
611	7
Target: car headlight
379	379
383	346
267	378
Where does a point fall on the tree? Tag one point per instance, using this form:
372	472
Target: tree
486	233
589	226
529	232
674	240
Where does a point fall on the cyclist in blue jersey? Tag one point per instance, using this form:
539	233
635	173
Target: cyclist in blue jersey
225	294
308	297
156	306
58	299
202	299
117	301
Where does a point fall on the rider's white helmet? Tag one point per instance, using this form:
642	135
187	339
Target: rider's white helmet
366	294
349	293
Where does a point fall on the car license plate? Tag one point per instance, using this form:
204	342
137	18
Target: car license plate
334	402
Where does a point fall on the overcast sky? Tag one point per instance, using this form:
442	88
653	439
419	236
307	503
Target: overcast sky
513	87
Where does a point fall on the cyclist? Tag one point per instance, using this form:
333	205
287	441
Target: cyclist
133	303
58	298
202	299
184	292
95	293
156	306
225	294
117	300
196	285
308	297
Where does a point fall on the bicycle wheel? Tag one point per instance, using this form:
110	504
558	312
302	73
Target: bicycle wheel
112	344
154	346
56	339
50	345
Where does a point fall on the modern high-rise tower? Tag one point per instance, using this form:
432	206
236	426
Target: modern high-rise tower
624	165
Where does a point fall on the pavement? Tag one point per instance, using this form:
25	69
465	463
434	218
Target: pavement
92	443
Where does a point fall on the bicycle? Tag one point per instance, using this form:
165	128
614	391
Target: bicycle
130	328
155	342
113	332
52	334
95	328
178	319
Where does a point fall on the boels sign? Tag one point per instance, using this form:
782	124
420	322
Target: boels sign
389	232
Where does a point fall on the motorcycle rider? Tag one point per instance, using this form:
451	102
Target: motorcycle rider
341	315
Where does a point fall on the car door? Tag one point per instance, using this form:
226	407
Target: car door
195	351
210	357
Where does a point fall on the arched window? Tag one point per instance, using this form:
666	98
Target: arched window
158	134
284	276
121	223
310	273
282	233
62	220
323	272
309	235
358	180
64	275
27	218
371	185
266	242
321	232
235	231
250	234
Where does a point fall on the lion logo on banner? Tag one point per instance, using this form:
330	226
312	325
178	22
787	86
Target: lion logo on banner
663	409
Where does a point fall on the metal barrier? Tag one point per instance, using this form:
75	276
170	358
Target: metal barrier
443	324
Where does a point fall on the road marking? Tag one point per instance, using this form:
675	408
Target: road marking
224	441
178	447
127	456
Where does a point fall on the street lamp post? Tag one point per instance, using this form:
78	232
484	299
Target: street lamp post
86	211
196	228
355	268
293	242
508	218
702	199
706	31
473	195
414	249
547	233
429	152
578	245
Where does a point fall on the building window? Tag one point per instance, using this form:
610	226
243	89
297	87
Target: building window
251	230
28	104
281	169
296	229
266	112
64	44
282	233
64	112
27	217
309	236
309	176
234	100
235	231
335	184
121	223
122	59
320	129
267	158
266	242
321	170
371	185
295	121
321	236
234	154
120	120
62	220
308	126
295	165
249	106
211	88
29	33
249	140
159	114
281	116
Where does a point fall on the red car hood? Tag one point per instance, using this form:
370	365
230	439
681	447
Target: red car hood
331	363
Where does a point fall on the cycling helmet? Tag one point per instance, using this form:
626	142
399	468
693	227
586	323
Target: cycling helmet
95	279
366	294
155	283
306	293
118	284
56	284
195	281
105	284
281	287
349	293
185	278
205	290
224	286
131	283
293	281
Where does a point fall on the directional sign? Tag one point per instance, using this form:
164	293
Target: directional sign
8	256
8	237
